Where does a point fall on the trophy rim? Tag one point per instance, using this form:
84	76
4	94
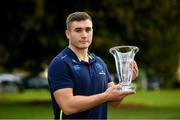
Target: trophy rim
124	46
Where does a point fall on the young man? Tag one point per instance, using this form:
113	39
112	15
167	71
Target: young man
79	81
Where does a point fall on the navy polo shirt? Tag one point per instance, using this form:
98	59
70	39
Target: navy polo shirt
85	78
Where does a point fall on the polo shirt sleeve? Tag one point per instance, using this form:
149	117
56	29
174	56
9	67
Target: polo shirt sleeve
59	75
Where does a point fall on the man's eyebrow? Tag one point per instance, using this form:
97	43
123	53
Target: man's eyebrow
78	28
82	28
88	27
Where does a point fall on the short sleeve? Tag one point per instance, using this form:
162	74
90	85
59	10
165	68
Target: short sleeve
59	75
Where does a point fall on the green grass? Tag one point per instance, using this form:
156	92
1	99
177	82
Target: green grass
149	105
25	111
163	98
31	104
145	113
35	104
26	96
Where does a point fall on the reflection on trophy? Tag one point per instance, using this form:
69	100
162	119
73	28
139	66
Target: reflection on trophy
124	56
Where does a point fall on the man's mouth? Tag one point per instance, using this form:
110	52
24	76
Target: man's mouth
83	41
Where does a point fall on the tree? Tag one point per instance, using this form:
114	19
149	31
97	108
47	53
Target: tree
33	32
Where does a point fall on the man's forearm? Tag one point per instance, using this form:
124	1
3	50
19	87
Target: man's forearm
82	103
74	104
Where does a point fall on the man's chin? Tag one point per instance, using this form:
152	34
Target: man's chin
84	47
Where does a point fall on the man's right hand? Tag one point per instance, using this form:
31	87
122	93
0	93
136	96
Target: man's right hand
113	93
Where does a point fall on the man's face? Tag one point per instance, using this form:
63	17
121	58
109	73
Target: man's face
80	34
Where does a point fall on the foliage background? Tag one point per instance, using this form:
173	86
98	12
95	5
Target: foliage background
32	32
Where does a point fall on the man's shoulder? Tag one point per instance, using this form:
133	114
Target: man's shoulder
60	58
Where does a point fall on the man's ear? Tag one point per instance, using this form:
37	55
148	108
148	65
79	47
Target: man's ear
67	34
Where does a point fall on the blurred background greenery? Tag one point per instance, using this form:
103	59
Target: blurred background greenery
32	33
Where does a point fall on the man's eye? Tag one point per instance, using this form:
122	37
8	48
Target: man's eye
78	30
88	29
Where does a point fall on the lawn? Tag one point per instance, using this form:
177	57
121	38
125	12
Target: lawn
163	104
31	104
35	104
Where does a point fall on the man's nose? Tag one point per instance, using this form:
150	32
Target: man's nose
84	33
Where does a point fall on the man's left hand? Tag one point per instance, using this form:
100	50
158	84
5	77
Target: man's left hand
135	70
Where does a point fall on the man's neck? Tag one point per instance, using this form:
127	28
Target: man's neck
82	54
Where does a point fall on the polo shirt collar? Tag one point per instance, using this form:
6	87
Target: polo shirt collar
75	58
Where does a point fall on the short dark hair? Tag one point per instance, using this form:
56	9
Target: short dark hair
77	16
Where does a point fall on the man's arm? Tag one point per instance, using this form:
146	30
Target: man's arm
71	104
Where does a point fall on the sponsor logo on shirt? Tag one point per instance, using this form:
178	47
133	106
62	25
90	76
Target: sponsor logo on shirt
102	73
100	69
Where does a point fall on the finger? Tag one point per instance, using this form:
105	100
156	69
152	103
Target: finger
119	86
128	92
135	69
135	72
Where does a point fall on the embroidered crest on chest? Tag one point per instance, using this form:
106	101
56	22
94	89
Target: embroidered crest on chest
99	68
76	67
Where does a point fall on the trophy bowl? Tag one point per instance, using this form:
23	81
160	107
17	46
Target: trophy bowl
124	57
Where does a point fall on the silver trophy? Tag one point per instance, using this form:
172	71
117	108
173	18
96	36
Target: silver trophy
124	56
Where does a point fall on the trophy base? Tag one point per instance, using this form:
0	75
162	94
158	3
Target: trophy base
128	88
